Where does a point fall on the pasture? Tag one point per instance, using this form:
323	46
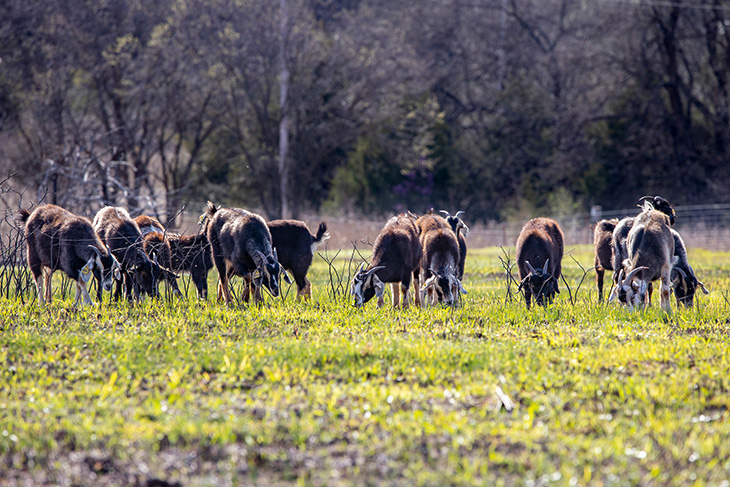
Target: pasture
320	393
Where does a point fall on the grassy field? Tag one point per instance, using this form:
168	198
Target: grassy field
190	393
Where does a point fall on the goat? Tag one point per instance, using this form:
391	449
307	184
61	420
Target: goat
661	204
157	247
241	245
539	260
603	257
461	230
123	237
57	239
439	261
396	258
650	247
684	281
188	253
295	247
621	234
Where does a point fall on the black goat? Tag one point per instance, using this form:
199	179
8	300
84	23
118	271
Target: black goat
295	247
241	246
191	253
123	237
539	260
684	281
461	230
603	256
439	261
157	247
57	239
396	258
650	247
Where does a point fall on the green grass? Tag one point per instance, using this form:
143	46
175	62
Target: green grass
320	393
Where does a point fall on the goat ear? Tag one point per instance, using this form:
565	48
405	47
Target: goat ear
614	292
86	271
461	288
379	286
286	277
702	286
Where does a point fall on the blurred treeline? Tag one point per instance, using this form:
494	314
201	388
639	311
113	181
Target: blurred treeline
496	107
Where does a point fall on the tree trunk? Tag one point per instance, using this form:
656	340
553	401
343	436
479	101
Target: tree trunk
284	123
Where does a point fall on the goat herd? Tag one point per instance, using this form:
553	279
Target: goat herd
430	250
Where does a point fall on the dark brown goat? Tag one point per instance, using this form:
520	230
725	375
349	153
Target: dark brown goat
684	280
396	259
539	260
650	247
241	246
603	256
295	247
191	253
188	253
157	248
123	237
57	239
439	261
461	230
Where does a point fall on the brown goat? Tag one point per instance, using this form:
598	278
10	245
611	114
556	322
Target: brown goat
650	247
295	247
539	260
157	247
603	256
439	261
57	239
396	258
123	237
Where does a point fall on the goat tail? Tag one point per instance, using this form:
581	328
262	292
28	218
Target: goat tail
321	233
23	216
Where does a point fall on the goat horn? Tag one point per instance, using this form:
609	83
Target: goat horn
633	273
95	249
373	269
459	213
529	266
545	267
678	269
444	212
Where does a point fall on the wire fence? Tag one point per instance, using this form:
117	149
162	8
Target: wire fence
702	226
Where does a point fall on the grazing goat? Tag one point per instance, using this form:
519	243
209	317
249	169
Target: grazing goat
650	247
461	230
684	281
157	247
396	258
123	237
57	239
191	253
539	260
241	245
603	257
439	261
621	234
295	247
